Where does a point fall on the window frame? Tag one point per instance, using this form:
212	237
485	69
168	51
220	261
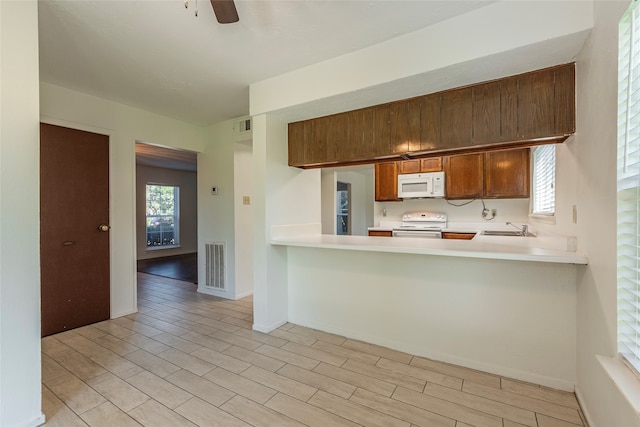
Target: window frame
628	189
536	159
174	214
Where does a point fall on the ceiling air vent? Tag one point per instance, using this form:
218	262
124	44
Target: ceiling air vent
242	126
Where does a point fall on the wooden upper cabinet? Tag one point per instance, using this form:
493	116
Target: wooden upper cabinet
456	125
536	109
404	117
369	131
431	164
430	122
409	166
337	144
486	113
565	99
509	109
463	176
506	174
386	182
297	138
519	110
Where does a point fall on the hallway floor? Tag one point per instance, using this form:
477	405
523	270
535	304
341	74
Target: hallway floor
188	359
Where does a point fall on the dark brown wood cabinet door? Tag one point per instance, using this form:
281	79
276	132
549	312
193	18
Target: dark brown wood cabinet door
536	98
386	182
565	99
509	109
456	120
486	113
410	166
506	174
369	131
430	122
74	251
463	176
298	133
405	125
317	150
431	164
337	134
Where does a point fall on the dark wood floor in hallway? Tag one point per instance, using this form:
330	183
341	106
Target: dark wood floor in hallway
188	359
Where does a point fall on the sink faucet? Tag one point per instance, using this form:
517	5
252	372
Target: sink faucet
524	230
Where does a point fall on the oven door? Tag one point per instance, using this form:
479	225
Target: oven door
418	233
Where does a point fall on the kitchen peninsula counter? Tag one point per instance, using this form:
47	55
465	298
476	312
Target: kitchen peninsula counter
542	248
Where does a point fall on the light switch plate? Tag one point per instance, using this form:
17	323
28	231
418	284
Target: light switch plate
214	191
246	200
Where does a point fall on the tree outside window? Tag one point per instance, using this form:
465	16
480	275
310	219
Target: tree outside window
162	215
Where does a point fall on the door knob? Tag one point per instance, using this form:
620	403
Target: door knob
103	227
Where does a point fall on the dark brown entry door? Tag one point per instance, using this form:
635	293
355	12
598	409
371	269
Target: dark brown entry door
74	233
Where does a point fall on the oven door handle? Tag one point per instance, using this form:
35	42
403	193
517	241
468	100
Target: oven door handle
423	234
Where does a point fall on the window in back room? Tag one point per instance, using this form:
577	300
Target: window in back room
162	216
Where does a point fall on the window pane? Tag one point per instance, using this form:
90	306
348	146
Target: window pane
544	180
628	172
162	215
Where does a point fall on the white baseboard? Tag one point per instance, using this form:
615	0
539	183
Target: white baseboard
204	290
245	294
583	406
268	328
517	374
33	423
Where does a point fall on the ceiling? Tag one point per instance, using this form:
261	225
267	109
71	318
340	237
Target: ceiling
158	56
166	157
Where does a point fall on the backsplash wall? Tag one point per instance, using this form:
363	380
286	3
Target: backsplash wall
515	210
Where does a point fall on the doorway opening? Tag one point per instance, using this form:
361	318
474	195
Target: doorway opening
166	212
343	208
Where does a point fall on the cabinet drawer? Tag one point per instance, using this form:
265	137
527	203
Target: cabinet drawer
383	233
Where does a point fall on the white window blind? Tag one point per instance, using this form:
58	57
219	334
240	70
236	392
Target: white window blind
628	173
544	180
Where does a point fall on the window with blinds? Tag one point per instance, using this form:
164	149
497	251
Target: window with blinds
544	180
628	179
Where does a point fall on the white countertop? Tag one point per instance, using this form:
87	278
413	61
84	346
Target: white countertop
543	248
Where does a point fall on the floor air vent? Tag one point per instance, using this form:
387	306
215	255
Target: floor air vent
215	265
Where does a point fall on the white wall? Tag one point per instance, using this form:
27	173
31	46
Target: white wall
282	195
125	125
216	221
187	181
243	186
328	184
515	210
512	318
20	396
594	150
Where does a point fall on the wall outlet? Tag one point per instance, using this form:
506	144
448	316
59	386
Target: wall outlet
246	200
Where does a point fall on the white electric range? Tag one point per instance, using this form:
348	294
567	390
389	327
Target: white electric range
422	224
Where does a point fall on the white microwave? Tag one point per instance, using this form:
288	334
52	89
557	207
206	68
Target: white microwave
419	185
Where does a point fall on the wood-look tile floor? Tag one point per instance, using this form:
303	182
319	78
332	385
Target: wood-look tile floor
188	359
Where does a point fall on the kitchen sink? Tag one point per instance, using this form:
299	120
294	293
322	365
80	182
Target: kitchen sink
506	233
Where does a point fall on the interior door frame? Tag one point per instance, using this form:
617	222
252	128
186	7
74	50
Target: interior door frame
109	133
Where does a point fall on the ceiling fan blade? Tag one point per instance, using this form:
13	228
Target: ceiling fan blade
225	11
